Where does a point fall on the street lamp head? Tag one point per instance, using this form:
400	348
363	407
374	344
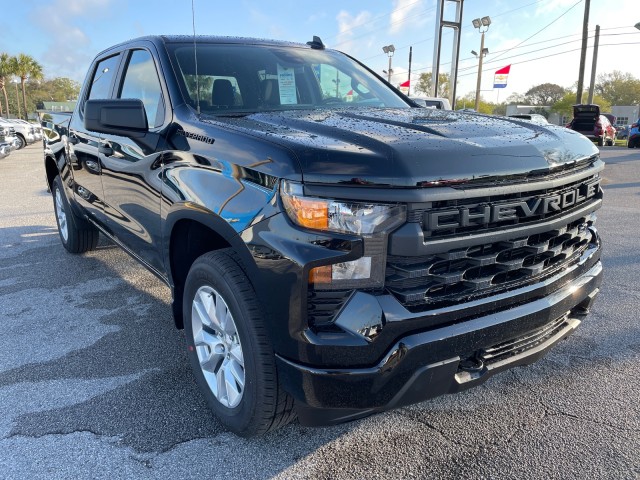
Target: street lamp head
476	23
385	49
485	51
637	25
392	48
473	52
486	21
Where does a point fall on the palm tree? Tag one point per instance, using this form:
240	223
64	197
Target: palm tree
26	67
5	71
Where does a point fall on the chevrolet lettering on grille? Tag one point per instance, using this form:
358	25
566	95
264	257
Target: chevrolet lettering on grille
486	213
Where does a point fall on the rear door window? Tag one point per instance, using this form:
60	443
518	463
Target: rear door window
102	78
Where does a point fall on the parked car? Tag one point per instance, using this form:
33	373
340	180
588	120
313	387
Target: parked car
588	121
24	131
36	129
9	133
634	135
622	132
531	117
433	102
612	118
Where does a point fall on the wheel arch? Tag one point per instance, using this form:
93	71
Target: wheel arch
51	169
189	232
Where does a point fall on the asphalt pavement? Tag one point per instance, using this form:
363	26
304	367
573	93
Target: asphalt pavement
95	382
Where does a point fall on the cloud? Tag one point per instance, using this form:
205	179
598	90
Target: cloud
66	54
404	13
556	5
350	29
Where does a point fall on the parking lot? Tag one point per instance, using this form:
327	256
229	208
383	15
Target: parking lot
95	382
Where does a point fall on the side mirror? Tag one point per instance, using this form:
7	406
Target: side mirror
124	117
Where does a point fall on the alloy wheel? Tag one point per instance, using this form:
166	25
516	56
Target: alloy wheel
218	346
62	216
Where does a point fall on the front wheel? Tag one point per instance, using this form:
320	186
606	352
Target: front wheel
600	141
76	234
21	142
229	348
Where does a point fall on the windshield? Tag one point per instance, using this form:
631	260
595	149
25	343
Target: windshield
253	78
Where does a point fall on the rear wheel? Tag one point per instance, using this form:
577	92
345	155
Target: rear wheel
76	234
631	143
229	349
600	141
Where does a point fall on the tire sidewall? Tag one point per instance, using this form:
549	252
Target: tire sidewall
23	142
57	185
202	274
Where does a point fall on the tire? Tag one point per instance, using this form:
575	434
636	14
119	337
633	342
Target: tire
76	234
228	345
21	142
611	142
631	143
600	141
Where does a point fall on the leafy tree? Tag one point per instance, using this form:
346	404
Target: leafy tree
425	84
469	101
5	72
564	107
545	94
515	98
59	89
618	88
26	67
540	111
500	108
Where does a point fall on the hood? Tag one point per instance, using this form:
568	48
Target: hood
414	147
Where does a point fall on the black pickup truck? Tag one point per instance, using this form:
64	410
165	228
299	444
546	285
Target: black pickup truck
333	250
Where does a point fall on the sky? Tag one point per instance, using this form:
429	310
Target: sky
541	39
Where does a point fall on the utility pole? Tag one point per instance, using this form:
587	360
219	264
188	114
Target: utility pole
583	52
594	64
410	54
479	82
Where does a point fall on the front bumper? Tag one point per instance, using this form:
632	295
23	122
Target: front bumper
445	359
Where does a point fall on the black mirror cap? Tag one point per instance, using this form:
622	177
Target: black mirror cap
125	117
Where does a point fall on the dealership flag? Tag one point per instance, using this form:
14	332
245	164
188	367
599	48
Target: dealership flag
500	78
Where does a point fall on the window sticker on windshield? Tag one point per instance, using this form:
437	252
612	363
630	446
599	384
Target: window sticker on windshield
287	84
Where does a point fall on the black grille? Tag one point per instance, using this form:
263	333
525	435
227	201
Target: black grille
460	275
475	206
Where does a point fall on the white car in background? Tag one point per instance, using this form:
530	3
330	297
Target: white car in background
8	131
433	102
24	131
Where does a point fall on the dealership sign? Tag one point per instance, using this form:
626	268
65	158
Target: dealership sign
500	77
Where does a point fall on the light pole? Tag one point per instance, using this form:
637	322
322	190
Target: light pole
389	50
479	23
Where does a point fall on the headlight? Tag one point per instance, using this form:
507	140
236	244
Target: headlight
344	217
371	221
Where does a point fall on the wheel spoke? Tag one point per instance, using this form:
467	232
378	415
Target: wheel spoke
221	312
236	354
218	346
233	386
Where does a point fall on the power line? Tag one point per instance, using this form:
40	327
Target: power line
543	28
425	12
557	54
